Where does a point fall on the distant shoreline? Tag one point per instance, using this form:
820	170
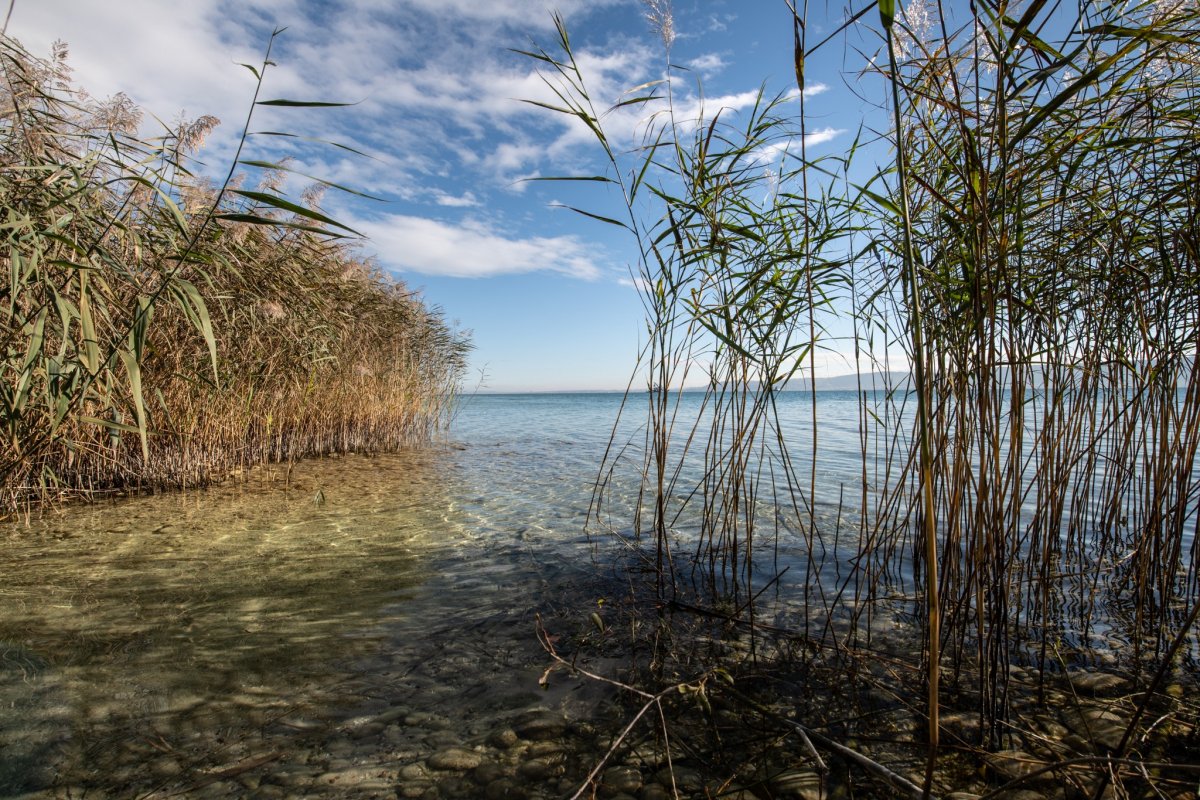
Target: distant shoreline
834	383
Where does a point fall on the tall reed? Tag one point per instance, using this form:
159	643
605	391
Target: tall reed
1052	222
1032	247
162	331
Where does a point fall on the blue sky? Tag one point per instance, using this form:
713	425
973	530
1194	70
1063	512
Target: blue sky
437	95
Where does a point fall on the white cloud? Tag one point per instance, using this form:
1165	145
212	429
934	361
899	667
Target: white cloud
521	13
638	283
472	249
465	200
427	111
183	60
822	136
517	184
707	64
625	126
177	61
719	24
440	91
709	107
511	156
774	152
809	91
416	97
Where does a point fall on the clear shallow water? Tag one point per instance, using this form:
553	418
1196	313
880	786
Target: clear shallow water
250	640
156	644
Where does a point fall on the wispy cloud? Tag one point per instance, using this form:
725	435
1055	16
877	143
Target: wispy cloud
436	118
707	64
430	103
473	249
822	136
466	200
428	112
638	283
774	152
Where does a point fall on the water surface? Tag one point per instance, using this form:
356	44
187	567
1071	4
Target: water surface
331	627
162	644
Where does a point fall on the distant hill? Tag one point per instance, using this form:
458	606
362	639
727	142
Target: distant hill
849	383
896	380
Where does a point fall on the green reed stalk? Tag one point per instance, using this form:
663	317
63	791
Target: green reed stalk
887	11
1046	226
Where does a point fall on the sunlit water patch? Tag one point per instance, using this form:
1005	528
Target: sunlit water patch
361	624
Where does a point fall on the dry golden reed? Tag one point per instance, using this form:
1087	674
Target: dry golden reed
160	331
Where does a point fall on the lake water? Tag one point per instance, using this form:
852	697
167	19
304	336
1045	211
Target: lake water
361	613
341	627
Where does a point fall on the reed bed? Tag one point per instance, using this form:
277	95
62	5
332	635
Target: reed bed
164	331
1032	246
1053	226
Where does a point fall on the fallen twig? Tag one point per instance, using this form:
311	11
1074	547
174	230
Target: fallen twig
651	700
870	765
230	772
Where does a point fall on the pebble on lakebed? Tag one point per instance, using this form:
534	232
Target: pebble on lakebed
454	758
540	725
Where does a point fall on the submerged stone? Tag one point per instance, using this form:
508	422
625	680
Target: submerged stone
539	769
538	725
1097	725
302	723
1013	764
685	779
360	778
1051	726
799	784
487	772
963	725
504	738
423	719
414	789
413	772
547	748
454	759
1097	682
392	715
622	779
654	791
504	789
649	755
456	788
290	775
442	739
